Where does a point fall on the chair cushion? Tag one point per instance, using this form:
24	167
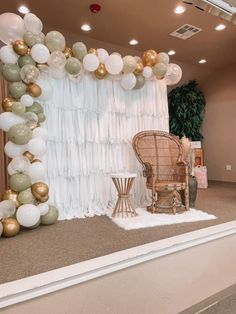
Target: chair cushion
167	185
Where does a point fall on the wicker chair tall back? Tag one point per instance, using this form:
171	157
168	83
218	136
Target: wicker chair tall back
161	155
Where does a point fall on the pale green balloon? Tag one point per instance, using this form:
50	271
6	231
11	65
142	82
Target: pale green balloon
129	64
36	108
163	57
51	216
73	66
159	70
17	89
18	108
31	39
11	72
140	81
26	197
19	182
54	40
19	134
41	117
79	50
27	59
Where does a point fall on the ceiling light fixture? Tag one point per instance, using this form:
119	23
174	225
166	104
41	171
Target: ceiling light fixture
171	52
179	9
202	61
23	9
133	42
86	27
220	27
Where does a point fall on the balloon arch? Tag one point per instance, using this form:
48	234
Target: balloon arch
27	54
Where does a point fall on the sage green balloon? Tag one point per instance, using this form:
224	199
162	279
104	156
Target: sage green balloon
11	72
79	50
17	89
36	108
51	216
73	66
35	226
140	81
41	117
26	197
20	134
129	64
19	182
18	108
54	40
24	60
159	70
31	39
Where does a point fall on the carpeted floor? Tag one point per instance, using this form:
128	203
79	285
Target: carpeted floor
69	242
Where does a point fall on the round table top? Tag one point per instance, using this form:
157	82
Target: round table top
124	175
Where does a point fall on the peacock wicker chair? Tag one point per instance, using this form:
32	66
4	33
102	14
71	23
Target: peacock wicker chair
161	155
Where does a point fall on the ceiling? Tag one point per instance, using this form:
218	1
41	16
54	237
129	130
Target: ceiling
150	22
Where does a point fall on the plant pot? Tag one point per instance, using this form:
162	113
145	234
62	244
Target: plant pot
192	183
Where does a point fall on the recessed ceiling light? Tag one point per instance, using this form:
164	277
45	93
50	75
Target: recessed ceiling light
220	27
86	27
23	9
133	42
179	9
171	52
202	61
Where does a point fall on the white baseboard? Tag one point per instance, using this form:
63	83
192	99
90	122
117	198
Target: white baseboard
51	281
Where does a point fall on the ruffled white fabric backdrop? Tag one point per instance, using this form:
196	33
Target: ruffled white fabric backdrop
91	125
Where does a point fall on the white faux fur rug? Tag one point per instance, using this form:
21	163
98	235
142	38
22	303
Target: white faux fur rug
146	219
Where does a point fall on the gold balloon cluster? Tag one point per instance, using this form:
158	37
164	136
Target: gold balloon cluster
40	191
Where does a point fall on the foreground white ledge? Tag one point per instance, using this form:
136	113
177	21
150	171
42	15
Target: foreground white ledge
38	285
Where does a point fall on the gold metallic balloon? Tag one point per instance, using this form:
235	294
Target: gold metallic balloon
101	71
150	58
7	104
41	199
34	90
68	52
36	160
29	156
40	189
93	51
20	47
11	196
139	68
11	227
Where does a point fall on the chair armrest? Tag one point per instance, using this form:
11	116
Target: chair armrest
147	170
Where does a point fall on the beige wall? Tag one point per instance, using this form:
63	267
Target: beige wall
166	285
219	128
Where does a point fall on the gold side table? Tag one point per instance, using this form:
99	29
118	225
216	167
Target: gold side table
123	183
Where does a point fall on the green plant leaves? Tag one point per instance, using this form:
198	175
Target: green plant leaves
186	110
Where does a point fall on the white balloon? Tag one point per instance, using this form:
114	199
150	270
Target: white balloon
114	64
57	73
36	146
102	54
11	27
147	72
40	53
43	208
46	88
128	81
8	55
36	171
18	164
32	23
90	62
7	208
27	100
13	150
8	119
40	133
173	74
28	215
